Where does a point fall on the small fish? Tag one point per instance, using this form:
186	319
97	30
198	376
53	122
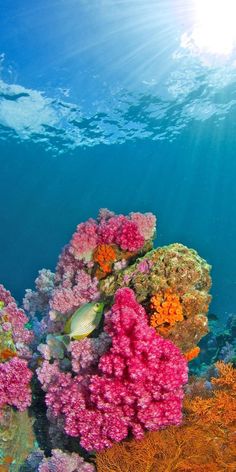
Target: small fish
85	320
212	317
2	304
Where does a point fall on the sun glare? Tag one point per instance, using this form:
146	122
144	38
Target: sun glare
215	26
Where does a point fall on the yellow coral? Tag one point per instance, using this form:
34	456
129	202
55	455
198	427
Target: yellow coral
167	310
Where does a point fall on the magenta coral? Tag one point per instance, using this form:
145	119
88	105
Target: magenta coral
14	384
129	237
138	385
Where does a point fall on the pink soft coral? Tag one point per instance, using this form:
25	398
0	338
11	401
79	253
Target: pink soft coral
129	237
14	384
14	319
5	295
84	240
85	290
109	229
146	223
137	387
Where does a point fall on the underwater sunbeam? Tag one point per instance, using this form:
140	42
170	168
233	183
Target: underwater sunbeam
215	31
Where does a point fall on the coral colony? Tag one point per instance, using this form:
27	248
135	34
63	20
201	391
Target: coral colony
99	358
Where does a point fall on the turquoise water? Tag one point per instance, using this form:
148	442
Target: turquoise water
101	106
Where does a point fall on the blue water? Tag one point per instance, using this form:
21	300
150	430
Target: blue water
100	107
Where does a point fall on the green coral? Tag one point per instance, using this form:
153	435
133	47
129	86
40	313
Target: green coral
17	438
174	267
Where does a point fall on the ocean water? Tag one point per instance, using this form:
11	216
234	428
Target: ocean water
190	188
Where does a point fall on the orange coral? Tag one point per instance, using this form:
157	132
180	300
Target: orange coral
220	408
192	354
167	310
5	466
209	426
7	354
105	255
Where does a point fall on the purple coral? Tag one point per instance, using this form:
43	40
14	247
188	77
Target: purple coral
59	462
37	301
65	462
137	386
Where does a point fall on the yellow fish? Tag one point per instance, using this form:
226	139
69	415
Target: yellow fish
85	320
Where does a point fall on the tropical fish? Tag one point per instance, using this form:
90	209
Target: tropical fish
85	320
1	304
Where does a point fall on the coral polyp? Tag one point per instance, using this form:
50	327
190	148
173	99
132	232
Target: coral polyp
166	310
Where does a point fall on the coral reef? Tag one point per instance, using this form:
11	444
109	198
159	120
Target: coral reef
128	378
96	248
209	424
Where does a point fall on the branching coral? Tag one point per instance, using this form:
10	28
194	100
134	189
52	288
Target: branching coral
209	425
137	387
